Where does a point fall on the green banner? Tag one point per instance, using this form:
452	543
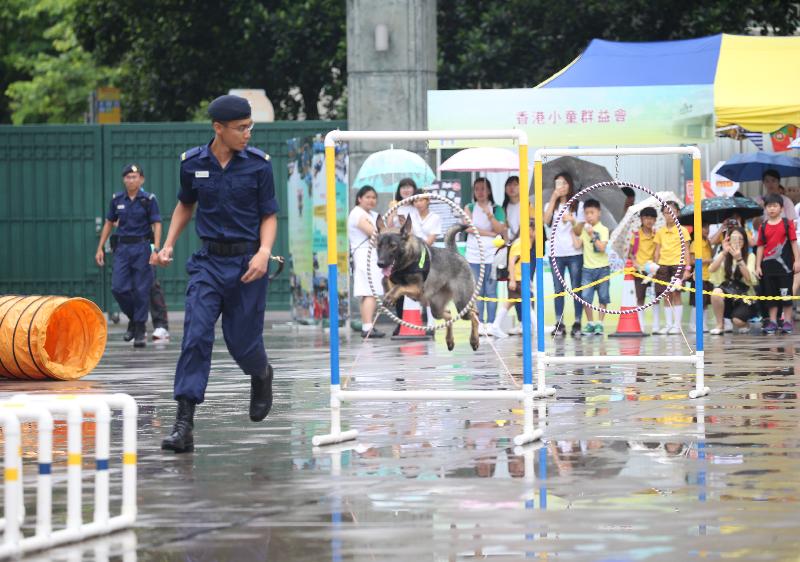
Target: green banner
569	117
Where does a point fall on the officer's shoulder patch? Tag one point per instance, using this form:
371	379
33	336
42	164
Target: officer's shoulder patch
151	195
192	152
258	152
117	194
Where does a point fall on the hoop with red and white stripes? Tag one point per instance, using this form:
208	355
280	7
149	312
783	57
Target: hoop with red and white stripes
675	280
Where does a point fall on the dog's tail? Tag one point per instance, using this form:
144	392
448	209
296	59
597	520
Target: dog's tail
450	237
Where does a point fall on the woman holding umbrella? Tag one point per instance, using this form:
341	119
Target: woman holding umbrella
568	259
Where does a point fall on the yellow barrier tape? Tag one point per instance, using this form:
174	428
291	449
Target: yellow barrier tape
632	271
745	298
562	293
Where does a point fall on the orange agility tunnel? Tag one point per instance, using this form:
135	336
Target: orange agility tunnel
48	337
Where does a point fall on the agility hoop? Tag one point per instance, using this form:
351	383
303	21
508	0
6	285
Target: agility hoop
674	282
543	359
525	395
373	243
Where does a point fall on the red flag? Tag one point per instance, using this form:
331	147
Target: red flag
782	137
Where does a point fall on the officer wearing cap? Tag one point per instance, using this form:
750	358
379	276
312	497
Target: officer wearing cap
136	214
231	185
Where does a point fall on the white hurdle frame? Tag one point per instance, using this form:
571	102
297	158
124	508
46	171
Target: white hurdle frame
43	408
542	359
337	395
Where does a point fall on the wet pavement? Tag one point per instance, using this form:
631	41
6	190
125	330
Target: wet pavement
629	468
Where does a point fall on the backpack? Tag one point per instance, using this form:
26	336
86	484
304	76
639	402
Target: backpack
786	259
500	262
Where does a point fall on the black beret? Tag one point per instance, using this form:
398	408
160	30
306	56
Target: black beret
229	108
132	168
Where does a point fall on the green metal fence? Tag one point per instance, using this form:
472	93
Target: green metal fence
55	186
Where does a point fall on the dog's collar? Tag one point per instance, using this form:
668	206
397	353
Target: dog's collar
423	266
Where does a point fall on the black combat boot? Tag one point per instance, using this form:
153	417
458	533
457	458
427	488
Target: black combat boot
260	394
181	439
139	334
129	332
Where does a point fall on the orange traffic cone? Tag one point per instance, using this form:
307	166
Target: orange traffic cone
412	313
628	325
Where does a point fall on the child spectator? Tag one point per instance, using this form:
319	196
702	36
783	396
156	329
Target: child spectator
514	283
593	239
777	258
642	253
669	251
705	254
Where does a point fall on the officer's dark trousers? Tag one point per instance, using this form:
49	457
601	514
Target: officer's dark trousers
214	289
158	306
131	279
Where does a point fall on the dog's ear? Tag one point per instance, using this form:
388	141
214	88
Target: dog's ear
380	224
406	230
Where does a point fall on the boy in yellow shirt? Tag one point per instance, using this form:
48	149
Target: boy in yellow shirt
642	252
515	282
593	239
705	254
668	256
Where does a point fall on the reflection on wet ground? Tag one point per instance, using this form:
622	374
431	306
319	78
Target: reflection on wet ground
630	468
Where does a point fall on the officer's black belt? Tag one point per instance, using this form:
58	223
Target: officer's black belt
229	249
132	239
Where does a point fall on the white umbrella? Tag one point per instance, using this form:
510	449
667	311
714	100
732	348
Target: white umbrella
483	159
621	236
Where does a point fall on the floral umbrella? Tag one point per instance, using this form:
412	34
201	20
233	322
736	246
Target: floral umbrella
621	236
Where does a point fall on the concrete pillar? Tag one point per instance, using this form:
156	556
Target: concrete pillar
388	89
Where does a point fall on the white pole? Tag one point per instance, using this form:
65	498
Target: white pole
621	360
11	478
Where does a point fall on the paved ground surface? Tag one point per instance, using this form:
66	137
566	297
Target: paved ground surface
629	469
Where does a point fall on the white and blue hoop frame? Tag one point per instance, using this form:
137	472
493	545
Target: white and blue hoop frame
542	359
527	394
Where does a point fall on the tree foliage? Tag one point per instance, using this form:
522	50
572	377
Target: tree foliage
45	76
171	57
185	53
520	43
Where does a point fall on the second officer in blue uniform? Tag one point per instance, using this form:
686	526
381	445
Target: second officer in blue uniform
136	214
231	185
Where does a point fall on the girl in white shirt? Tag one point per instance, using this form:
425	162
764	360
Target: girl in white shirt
568	258
511	207
489	218
426	225
361	224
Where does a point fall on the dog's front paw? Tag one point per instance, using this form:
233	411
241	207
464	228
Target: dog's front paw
389	299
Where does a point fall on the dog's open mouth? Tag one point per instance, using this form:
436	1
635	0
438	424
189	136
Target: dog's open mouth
387	271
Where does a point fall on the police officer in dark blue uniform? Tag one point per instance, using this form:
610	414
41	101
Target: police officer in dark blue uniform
231	185
138	224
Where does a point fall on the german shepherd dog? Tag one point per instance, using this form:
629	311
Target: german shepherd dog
431	276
